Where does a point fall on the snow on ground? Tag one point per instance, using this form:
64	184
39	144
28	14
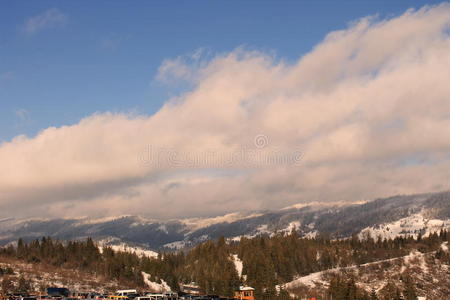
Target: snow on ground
84	220
260	230
293	225
197	223
163	228
313	279
235	239
444	246
409	226
309	280
311	234
420	257
154	286
238	264
175	245
131	249
40	276
316	204
264	230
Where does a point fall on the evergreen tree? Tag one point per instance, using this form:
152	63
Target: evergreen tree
267	261
7	285
398	295
373	295
23	285
410	291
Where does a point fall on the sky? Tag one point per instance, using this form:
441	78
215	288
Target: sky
180	109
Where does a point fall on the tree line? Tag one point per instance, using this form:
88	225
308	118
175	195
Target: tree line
268	261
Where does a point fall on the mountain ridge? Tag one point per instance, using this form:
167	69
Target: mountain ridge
335	219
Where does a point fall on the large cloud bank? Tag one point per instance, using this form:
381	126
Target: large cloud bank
368	109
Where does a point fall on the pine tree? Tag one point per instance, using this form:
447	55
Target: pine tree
7	285
23	285
267	261
398	295
410	291
21	249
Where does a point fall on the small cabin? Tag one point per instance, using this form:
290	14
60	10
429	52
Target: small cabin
191	288
245	293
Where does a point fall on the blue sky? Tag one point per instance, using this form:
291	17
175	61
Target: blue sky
98	56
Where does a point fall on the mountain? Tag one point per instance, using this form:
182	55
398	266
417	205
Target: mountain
387	217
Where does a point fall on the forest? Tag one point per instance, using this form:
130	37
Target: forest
267	261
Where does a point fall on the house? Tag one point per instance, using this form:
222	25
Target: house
245	293
191	288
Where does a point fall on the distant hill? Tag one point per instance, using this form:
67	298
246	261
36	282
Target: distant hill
387	217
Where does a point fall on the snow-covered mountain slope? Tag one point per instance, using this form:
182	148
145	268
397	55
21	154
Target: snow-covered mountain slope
387	217
430	275
197	223
412	225
118	246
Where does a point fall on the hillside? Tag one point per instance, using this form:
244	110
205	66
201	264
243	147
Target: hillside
388	217
274	265
428	272
41	276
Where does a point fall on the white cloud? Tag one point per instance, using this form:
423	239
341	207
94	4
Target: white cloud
184	67
368	107
50	18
